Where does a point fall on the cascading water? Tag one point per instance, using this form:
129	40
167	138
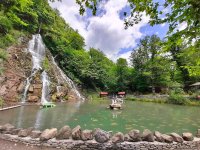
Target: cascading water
67	80
45	88
37	50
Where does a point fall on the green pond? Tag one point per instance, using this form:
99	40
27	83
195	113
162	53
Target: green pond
95	114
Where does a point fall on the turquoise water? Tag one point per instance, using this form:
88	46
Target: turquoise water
94	114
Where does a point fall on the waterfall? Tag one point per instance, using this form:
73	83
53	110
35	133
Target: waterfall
67	80
45	87
37	50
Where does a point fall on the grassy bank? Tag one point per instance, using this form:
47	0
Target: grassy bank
165	101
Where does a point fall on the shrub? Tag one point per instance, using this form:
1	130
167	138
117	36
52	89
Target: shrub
46	65
3	54
177	98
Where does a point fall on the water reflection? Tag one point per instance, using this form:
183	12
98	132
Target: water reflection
116	113
90	115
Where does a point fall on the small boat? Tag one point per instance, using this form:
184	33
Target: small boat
48	105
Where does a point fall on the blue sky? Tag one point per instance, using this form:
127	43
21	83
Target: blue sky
106	30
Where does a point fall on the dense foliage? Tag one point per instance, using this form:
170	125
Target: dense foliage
155	65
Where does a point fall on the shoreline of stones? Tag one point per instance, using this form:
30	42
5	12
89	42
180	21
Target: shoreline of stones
69	138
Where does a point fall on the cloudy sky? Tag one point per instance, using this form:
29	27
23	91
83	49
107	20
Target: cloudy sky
106	30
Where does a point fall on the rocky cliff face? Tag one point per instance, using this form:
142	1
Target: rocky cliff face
18	67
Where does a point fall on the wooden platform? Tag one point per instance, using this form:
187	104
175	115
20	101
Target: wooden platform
11	107
115	106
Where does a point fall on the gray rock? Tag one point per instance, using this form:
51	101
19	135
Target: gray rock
147	135
15	131
7	128
126	137
176	137
35	134
158	136
198	133
87	135
187	136
167	138
135	135
48	134
118	138
64	133
25	132
101	136
76	133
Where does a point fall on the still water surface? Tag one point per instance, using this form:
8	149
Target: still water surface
94	114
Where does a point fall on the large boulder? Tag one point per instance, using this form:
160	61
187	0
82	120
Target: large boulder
147	135
118	138
76	133
64	133
167	138
25	132
187	136
48	134
158	136
101	136
135	135
176	137
87	135
35	134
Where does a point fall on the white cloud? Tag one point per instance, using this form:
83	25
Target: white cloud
105	32
182	26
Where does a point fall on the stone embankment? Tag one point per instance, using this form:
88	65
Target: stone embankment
77	139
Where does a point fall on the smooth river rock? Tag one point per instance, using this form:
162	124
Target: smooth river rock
48	134
25	132
64	133
101	136
167	138
176	137
35	134
158	136
187	136
148	136
8	128
76	133
118	138
135	135
87	135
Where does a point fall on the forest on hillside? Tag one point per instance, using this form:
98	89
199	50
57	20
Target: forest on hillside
154	65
